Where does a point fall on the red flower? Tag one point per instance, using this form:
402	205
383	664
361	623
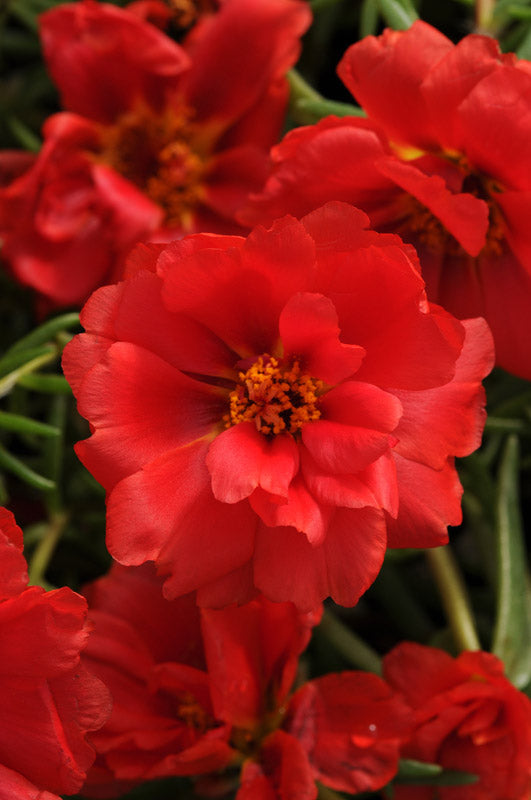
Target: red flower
158	139
443	160
272	412
203	692
48	700
468	717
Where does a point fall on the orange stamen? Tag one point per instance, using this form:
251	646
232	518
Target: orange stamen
163	155
278	398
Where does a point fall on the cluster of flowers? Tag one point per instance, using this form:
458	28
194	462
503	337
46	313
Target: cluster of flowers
269	410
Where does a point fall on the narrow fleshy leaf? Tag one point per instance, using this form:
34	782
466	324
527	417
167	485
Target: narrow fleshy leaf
512	631
369	18
49	384
396	15
47	331
13	359
420	773
21	424
14	465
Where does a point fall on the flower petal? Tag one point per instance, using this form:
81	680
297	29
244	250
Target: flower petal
309	330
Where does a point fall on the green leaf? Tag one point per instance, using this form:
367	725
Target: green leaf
396	15
324	108
13	377
24	136
420	773
512	631
13	359
408	770
17	467
368	18
49	384
47	331
20	424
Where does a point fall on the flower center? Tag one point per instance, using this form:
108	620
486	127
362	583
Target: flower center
162	155
278	397
187	12
192	713
426	228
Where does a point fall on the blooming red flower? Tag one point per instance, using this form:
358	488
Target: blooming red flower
48	700
272	412
208	691
443	160
157	139
468	717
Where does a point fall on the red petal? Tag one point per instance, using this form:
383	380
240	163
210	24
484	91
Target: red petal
104	59
301	510
430	500
351	726
354	550
333	159
192	536
309	331
465	216
287	567
449	421
274	28
385	73
133	426
283	771
241	458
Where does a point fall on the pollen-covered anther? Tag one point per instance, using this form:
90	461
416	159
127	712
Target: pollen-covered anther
278	397
162	154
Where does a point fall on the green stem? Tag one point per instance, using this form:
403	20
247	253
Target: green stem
484	15
350	646
44	550
454	597
301	89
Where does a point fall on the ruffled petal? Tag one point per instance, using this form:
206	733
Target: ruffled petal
430	500
241	458
449	421
190	528
133	426
385	74
104	58
309	331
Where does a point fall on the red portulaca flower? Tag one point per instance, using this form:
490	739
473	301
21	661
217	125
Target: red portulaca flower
197	692
48	700
271	413
157	139
443	159
468	717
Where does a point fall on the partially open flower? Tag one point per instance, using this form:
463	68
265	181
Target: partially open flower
271	413
468	717
210	693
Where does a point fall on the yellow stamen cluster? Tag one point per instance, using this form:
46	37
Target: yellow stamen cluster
278	398
161	154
